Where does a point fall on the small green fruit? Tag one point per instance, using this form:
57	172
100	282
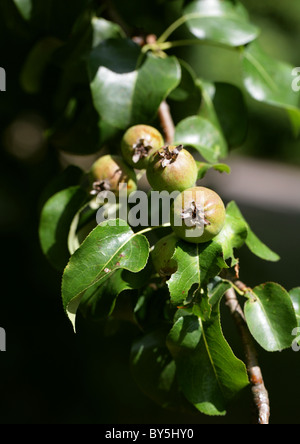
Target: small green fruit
139	143
162	256
109	173
172	168
198	215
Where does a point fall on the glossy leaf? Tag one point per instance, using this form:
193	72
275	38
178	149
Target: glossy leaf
134	94
255	245
24	7
99	301
185	334
232	113
197	264
207	109
271	317
270	81
216	290
187	86
295	296
104	30
233	235
203	168
219	21
209	374
202	135
107	249
56	217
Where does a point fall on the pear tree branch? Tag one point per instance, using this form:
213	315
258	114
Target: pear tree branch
259	391
167	122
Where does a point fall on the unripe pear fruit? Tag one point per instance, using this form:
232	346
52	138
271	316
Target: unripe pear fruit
139	143
198	215
162	256
108	173
172	168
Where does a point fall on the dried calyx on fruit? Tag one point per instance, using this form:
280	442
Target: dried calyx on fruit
194	216
169	156
139	143
110	173
100	186
172	168
198	215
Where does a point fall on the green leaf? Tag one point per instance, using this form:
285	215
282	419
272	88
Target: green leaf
24	7
232	113
207	109
216	290
202	135
233	235
186	333
203	168
187	86
99	301
295	296
220	22
154	370
36	63
104	30
271	317
56	218
134	94
255	245
209	374
197	264
108	248
208	112
270	81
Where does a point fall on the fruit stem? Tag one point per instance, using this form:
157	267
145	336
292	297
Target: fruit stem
147	230
190	42
172	28
236	288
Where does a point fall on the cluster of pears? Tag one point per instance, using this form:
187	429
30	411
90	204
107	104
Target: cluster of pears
168	168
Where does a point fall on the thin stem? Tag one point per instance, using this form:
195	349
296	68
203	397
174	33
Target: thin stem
177	24
147	230
235	287
197	42
259	391
167	122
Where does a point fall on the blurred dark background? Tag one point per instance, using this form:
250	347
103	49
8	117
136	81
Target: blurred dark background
50	375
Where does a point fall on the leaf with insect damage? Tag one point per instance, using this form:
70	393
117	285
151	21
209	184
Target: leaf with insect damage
197	264
107	249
